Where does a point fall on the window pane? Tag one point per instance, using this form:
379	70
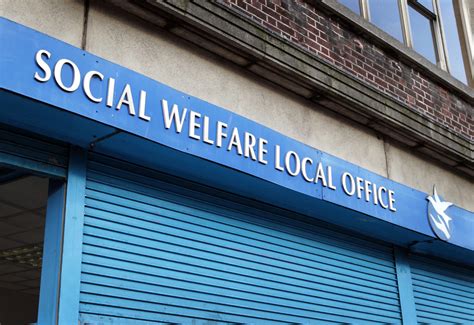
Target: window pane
352	5
427	3
385	15
422	34
453	44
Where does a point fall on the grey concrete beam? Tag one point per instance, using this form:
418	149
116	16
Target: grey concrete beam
219	30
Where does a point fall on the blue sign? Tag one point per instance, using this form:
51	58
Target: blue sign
45	69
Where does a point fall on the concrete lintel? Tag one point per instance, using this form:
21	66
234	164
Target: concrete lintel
309	73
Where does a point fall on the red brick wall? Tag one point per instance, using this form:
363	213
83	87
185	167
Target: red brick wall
309	28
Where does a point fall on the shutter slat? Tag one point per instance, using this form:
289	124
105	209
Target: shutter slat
443	293
162	253
184	225
228	282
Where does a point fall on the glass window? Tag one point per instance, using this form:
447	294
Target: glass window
422	34
385	15
421	25
428	4
453	44
352	5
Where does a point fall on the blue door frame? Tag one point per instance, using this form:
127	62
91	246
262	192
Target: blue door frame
49	289
60	276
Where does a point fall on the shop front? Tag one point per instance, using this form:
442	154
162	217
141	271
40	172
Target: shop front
164	208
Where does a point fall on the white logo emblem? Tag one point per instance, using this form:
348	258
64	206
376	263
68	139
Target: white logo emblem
439	220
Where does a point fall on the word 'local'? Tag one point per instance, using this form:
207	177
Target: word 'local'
216	133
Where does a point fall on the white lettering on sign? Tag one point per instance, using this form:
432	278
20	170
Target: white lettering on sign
220	133
142	107
348	189
304	163
58	75
74	82
127	99
205	137
174	116
43	65
262	151
87	85
110	92
235	142
196	125
368	190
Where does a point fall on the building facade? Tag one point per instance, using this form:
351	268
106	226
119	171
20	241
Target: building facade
236	162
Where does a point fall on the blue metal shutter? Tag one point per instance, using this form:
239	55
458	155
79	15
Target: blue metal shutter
21	149
157	253
444	294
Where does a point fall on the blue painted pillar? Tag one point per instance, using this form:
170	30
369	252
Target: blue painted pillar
405	287
51	264
69	286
